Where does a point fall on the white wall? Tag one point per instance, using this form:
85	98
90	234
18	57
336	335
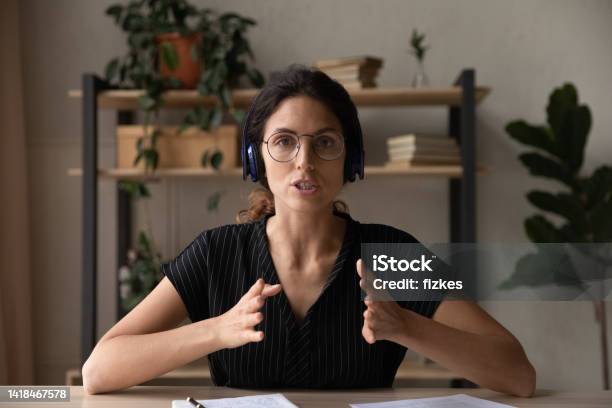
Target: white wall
522	49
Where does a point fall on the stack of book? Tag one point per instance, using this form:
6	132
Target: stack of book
352	72
410	149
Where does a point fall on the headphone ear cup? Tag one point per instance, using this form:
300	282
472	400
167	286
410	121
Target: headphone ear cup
253	168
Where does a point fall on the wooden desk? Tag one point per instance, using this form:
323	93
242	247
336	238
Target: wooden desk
153	397
411	373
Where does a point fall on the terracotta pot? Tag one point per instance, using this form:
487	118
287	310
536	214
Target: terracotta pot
187	71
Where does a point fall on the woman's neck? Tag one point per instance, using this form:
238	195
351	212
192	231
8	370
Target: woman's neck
304	237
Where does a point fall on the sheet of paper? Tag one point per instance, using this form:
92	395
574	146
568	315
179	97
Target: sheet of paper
251	401
451	401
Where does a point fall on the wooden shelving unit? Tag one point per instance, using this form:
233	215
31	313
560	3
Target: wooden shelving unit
395	96
450	171
460	99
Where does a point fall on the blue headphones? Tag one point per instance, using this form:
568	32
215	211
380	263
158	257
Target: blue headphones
353	164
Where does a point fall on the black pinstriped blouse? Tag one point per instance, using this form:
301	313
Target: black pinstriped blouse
327	349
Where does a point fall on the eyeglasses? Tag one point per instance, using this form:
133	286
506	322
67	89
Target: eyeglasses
284	147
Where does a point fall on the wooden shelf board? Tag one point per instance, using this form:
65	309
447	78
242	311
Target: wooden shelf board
388	96
452	171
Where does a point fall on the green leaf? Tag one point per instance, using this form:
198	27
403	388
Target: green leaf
143	242
548	266
147	103
115	11
169	55
138	157
540	230
239	115
560	101
133	22
139	144
570	124
542	166
184	126
598	187
563	204
601	219
151	157
204	160
226	97
205	118
256	78
536	136
111	69
135	189
216	159
213	201
217	117
154	136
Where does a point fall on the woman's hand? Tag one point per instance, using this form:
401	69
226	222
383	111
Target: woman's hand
383	319
236	326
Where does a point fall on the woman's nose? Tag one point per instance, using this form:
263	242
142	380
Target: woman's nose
305	156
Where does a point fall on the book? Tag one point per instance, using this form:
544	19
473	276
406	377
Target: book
420	140
363	60
351	77
439	150
357	84
425	160
351	70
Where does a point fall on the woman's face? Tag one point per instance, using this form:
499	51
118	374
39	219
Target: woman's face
303	115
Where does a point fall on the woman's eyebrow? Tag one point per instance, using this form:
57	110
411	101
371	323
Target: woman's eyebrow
318	132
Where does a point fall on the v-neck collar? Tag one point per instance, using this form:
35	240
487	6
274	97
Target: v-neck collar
271	276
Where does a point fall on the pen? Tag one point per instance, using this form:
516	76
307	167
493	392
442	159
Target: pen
195	403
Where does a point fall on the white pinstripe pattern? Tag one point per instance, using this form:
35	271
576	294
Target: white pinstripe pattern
327	350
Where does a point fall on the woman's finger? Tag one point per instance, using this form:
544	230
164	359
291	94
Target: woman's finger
271	290
253	335
255	303
254	290
253	319
359	268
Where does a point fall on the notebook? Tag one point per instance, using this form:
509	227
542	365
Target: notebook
452	401
251	401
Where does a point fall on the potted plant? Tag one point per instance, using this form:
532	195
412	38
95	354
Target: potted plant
584	205
160	33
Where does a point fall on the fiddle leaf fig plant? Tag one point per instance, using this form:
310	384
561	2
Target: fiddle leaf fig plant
581	210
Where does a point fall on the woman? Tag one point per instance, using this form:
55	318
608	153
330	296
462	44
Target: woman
274	300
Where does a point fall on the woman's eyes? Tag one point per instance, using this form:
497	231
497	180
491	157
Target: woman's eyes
284	141
321	141
325	141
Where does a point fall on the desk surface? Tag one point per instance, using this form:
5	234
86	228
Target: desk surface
152	397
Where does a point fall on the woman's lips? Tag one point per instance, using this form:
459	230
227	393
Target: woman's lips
310	192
